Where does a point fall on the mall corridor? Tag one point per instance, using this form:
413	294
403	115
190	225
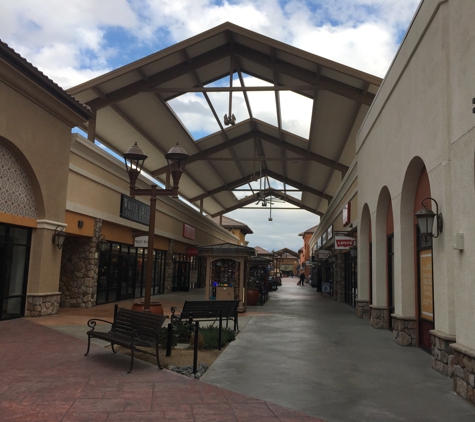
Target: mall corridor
301	357
312	354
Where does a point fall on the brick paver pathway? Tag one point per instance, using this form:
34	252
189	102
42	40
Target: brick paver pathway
46	377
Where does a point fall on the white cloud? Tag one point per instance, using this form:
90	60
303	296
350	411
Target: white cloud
59	35
281	232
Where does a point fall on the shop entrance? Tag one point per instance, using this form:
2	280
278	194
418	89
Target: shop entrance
181	276
14	259
390	280
351	281
122	271
425	292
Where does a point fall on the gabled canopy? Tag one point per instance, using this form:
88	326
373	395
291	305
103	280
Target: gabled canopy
131	105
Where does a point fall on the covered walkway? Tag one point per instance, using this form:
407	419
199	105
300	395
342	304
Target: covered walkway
298	356
312	354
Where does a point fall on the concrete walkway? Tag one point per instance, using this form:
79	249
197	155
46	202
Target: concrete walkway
300	357
312	354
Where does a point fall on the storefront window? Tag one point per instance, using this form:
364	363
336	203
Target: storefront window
187	272
122	270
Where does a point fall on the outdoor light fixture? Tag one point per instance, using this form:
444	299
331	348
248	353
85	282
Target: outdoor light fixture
229	120
175	158
353	251
102	243
134	160
425	220
58	237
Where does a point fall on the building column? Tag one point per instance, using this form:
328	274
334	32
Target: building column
43	296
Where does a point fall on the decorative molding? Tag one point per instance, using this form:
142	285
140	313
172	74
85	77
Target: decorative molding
17	196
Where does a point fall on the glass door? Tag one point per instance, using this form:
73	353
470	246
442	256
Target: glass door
14	260
127	276
181	276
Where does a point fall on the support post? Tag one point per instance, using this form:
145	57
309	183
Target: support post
151	237
195	351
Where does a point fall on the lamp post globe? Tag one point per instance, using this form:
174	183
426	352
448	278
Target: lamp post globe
134	159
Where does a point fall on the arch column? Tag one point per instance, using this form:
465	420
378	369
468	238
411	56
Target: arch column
43	296
363	301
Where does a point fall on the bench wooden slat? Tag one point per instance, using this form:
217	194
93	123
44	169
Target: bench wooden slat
130	329
209	310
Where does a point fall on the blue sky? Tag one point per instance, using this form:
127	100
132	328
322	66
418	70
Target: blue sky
76	40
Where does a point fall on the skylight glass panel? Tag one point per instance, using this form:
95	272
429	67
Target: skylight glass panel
265	183
194	113
263	104
294	194
296	113
220	101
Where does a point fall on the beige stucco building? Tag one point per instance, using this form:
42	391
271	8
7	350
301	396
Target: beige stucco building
52	181
416	142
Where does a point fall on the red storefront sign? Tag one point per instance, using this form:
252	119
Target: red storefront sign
344	242
188	232
191	251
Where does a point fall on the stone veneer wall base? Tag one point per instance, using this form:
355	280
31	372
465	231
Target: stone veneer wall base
404	330
42	304
363	309
379	316
464	371
442	354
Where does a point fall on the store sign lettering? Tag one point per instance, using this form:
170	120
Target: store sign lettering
134	210
323	254
343	242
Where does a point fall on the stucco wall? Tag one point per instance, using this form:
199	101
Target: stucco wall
423	113
96	182
41	142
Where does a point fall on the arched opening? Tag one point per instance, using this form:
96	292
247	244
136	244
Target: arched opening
424	276
383	287
18	206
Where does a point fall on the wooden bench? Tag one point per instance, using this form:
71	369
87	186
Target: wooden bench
208	310
204	310
130	329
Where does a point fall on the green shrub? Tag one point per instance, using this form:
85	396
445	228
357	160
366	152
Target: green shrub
181	333
211	336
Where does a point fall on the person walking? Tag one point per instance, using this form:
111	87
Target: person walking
302	278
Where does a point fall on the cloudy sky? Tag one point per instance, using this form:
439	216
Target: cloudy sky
75	40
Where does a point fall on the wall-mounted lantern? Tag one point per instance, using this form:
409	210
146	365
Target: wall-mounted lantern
102	243
425	220
58	237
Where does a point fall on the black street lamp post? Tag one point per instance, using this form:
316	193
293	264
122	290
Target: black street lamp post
134	160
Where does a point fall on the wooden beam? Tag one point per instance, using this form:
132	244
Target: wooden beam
307	155
321	83
166	75
298	185
234	89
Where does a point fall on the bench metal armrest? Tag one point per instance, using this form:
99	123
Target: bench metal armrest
173	310
92	322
